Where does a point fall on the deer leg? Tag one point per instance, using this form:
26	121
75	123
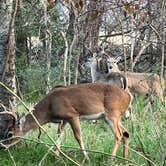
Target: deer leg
61	127
113	123
75	125
126	143
125	137
128	112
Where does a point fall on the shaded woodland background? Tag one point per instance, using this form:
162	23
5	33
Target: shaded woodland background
45	43
52	42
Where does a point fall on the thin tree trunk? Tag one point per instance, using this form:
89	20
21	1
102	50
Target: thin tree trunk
8	11
132	45
139	54
48	59
76	70
163	42
88	29
123	45
70	52
47	46
65	58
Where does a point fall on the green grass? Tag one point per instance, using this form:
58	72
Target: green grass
147	140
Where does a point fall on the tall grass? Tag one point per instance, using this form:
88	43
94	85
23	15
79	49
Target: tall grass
147	145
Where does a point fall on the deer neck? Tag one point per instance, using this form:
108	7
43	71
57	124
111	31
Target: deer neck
96	76
28	123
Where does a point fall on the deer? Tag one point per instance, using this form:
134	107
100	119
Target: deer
71	104
100	73
139	83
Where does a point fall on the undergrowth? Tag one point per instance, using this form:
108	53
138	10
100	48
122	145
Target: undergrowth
147	145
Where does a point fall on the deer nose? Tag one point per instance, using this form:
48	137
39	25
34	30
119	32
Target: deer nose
110	67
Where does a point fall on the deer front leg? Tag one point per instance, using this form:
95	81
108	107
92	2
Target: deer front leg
61	127
75	125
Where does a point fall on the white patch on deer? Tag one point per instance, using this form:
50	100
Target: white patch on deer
84	151
122	81
93	116
128	112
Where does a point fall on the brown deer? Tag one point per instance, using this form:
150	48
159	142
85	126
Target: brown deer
70	104
140	83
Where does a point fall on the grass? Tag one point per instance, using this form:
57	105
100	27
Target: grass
147	142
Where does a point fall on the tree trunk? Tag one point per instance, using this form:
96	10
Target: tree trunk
89	31
47	45
7	61
7	51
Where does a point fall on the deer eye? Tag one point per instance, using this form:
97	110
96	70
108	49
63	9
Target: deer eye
10	134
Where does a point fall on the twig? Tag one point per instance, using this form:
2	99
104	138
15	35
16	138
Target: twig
139	54
142	146
77	148
12	158
142	156
92	151
103	153
44	157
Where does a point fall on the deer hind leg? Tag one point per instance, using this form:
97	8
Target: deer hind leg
128	112
75	125
113	123
125	138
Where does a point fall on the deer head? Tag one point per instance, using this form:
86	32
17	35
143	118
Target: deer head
7	123
112	64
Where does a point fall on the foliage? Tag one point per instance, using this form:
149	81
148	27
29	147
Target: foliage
147	140
147	126
32	81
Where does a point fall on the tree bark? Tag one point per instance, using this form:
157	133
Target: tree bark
88	30
47	45
8	11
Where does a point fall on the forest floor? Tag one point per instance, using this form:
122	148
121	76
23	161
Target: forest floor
147	145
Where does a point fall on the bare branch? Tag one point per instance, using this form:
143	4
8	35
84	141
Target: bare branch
65	57
139	54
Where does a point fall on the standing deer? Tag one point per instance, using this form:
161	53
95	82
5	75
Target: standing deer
70	104
100	72
140	83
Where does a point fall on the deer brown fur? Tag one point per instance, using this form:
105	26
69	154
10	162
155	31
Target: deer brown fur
85	101
140	83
